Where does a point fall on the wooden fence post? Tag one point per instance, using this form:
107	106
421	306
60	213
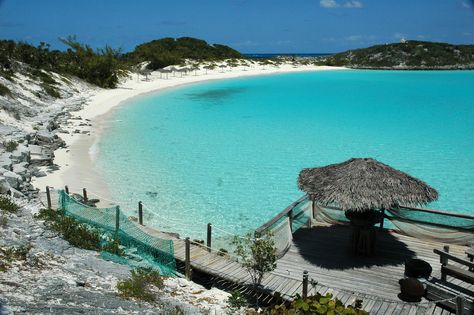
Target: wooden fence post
48	197
209	237
305	284
444	261
117	219
187	259
140	213
66	189
459	305
84	195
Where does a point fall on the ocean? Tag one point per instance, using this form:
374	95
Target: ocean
229	152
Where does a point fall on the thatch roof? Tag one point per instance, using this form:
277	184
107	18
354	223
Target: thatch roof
364	183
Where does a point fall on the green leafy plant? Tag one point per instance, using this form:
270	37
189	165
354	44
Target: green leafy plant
4	91
113	247
316	304
10	254
236	301
51	91
77	234
8	205
138	285
256	255
10	146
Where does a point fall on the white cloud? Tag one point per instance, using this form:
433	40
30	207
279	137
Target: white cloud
328	3
467	33
354	38
465	5
351	4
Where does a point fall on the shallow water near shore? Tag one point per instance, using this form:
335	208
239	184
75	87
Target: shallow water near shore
229	152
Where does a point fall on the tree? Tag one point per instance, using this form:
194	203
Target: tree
256	255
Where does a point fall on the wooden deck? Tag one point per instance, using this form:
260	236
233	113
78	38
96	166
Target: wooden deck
324	252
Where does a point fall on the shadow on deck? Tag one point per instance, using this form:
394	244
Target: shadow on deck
334	242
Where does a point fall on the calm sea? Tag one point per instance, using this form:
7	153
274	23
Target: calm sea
229	152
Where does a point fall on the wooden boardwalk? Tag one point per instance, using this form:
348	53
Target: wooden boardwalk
323	251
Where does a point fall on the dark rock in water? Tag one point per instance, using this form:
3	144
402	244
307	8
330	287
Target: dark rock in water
152	194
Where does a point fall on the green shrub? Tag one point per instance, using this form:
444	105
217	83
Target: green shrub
316	304
113	247
10	254
51	91
237	300
4	91
137	286
77	234
10	146
7	205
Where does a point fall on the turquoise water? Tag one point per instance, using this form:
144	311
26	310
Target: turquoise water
229	152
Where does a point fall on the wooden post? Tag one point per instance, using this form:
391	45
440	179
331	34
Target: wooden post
140	213
117	219
209	237
187	259
48	197
444	261
459	305
305	284
84	195
290	219
66	189
382	219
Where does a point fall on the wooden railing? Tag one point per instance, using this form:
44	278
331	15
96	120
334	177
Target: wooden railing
288	211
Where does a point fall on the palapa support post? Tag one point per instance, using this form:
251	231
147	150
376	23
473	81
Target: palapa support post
187	259
140	213
209	237
66	189
117	219
305	284
313	211
459	305
382	219
84	195
48	197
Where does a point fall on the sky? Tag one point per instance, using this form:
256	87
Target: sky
250	26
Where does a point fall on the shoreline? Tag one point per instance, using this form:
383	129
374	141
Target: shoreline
76	163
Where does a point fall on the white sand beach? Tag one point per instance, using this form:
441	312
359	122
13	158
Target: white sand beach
76	161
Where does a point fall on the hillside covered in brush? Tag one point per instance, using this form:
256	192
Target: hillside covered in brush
102	67
168	51
407	55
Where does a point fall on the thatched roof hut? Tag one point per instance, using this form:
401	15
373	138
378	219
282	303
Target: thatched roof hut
361	184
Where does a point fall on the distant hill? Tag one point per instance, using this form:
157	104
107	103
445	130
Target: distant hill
168	51
407	55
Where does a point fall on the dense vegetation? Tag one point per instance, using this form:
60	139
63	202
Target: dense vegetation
317	304
100	67
138	285
169	51
407	55
104	66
